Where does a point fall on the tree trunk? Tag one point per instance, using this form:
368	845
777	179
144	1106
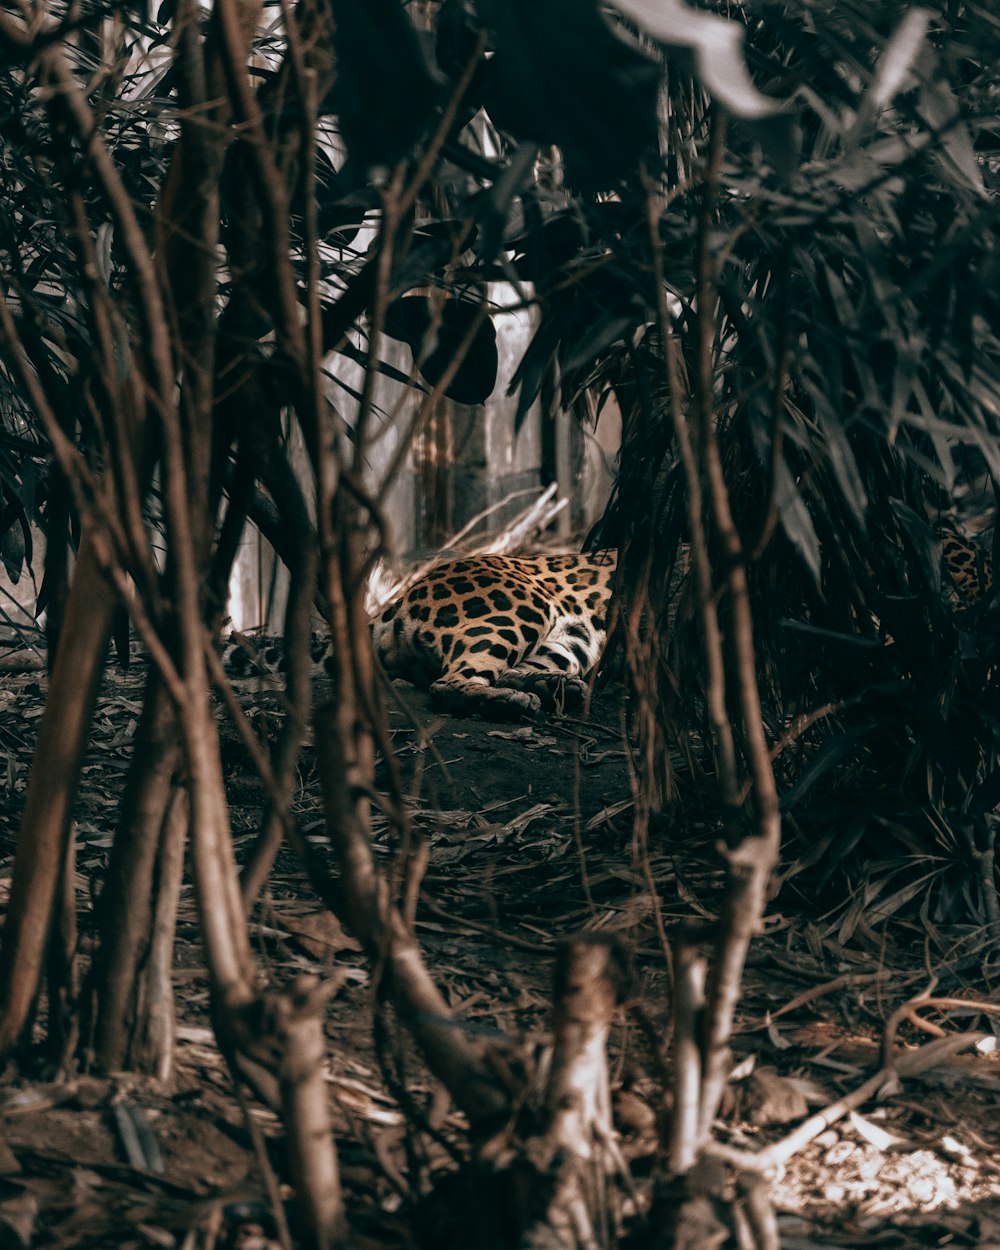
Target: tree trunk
153	1039
126	903
575	1155
52	789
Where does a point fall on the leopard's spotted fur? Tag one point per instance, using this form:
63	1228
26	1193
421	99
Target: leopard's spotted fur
500	635
969	566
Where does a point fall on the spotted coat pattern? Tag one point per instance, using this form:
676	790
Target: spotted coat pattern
969	566
502	636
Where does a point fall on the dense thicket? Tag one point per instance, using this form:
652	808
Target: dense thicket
771	239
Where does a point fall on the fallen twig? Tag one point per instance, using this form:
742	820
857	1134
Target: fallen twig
905	1064
846	981
909	1009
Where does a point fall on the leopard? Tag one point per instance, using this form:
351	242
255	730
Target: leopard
969	568
511	636
504	637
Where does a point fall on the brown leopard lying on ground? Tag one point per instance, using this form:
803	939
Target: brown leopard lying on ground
506	636
502	636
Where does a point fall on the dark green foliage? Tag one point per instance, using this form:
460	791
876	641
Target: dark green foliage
385	94
855	345
859	325
561	75
415	320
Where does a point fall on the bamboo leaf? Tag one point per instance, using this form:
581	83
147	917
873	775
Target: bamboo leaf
717	45
893	68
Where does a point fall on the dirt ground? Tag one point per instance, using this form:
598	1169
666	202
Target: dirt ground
531	840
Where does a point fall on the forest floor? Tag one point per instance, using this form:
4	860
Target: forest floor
530	836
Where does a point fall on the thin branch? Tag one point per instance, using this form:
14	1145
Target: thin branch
908	1011
235	42
130	235
752	859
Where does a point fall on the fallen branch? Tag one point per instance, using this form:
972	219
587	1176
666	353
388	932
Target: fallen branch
847	980
908	1011
906	1064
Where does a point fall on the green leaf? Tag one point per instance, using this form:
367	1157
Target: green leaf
937	105
717	45
435	340
892	70
561	75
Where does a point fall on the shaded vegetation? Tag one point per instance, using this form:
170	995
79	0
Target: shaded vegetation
770	239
